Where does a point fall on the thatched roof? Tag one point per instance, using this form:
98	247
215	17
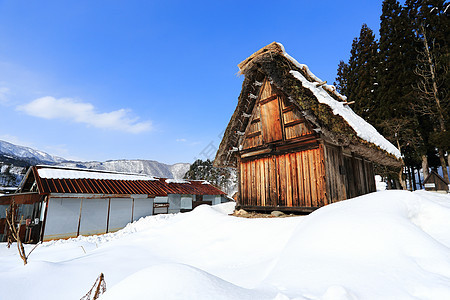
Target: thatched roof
320	104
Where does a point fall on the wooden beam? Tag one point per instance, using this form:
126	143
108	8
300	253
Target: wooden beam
256	133
268	209
258	152
268	99
293	123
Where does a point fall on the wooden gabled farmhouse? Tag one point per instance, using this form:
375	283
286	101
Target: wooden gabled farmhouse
296	143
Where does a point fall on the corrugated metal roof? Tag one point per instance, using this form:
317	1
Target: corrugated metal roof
101	186
53	181
193	187
60	173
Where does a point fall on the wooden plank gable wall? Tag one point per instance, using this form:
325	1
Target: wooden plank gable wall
284	164
272	172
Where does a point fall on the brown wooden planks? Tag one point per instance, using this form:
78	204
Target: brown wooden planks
293	164
266	90
289	196
273	181
321	189
270	118
295	179
301	183
306	181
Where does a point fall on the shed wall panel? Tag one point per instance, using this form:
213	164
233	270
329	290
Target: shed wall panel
174	203
62	218
119	213
142	208
186	201
94	214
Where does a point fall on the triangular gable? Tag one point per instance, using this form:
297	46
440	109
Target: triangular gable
28	183
274	119
433	177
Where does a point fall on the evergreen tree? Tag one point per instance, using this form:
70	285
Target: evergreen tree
341	82
431	27
204	170
390	75
358	79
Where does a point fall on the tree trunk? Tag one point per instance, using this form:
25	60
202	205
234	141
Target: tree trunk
401	180
425	166
409	178
443	164
420	179
428	55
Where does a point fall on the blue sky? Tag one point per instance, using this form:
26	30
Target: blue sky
99	80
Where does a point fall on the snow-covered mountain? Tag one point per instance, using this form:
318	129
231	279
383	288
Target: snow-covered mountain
26	153
139	166
14	160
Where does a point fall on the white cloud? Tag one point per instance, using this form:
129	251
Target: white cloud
82	112
4	91
15	140
181	140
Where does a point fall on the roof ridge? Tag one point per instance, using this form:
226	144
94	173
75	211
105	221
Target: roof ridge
92	170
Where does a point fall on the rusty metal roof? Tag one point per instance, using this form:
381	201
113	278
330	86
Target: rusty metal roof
91	185
191	187
100	186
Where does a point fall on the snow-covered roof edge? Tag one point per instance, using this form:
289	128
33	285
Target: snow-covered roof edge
52	172
171	180
362	128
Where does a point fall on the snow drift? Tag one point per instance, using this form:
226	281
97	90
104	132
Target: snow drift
385	245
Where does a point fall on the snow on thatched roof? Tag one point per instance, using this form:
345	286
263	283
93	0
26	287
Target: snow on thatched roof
363	129
338	123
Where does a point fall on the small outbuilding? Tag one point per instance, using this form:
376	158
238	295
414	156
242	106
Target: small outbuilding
435	183
295	141
60	202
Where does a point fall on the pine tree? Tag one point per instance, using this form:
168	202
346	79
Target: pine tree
391	61
431	27
204	170
358	78
341	82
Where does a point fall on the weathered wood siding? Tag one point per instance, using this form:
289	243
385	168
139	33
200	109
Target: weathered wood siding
293	122
336	182
253	136
288	180
274	119
284	163
348	176
270	118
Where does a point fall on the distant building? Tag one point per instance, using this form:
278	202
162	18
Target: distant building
295	141
435	183
60	202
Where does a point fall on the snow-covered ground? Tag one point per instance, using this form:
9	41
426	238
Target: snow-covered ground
385	245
